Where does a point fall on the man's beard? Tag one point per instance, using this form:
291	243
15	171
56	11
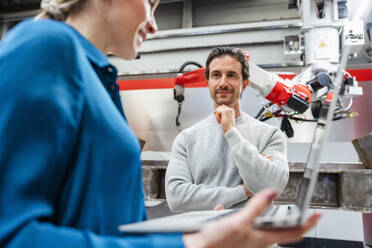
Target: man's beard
228	101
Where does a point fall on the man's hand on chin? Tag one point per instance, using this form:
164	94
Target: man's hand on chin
225	116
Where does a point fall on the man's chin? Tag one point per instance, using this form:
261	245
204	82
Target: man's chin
223	102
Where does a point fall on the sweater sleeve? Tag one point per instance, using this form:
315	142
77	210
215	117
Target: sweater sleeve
257	171
184	195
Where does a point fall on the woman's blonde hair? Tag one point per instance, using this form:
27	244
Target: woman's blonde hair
59	9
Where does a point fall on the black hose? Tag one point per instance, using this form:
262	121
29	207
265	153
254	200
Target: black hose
184	65
182	68
264	118
267	105
178	115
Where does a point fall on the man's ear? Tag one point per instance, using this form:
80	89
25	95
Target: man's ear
245	84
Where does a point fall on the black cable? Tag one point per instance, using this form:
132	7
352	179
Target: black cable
267	105
178	115
180	99
335	118
183	66
265	118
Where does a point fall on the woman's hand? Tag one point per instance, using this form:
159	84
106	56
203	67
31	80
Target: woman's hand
238	231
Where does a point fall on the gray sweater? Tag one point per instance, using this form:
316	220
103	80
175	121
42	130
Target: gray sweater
208	167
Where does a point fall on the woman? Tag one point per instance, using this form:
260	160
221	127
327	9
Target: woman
70	165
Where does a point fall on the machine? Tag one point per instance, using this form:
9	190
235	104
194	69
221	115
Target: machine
326	29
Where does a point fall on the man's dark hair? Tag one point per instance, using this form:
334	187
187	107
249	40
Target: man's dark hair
234	52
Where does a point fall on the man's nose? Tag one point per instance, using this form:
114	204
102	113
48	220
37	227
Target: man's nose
223	81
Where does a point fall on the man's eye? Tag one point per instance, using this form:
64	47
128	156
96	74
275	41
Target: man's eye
232	75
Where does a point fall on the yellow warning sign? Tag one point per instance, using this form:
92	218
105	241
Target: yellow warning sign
322	44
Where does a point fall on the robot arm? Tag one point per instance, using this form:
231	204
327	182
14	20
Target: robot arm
269	85
291	96
295	97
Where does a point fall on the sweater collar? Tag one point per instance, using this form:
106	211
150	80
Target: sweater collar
241	118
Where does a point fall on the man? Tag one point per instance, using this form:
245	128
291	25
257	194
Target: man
229	156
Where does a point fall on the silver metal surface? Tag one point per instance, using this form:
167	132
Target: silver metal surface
211	45
230	28
215	12
187	14
3	29
271	53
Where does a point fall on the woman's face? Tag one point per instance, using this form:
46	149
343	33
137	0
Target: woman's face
130	21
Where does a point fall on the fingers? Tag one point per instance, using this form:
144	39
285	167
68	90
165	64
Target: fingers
219	207
218	116
258	204
225	116
268	157
311	222
290	235
223	109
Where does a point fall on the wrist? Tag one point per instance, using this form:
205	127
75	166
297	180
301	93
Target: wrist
194	240
226	129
